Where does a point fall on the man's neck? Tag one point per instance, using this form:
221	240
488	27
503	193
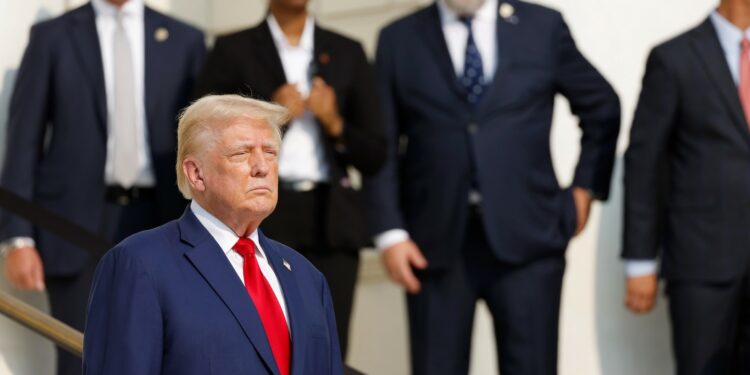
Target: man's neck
291	21
737	12
242	224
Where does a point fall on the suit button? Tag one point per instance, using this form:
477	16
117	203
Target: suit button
472	128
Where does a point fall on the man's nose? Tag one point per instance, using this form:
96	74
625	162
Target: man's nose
260	166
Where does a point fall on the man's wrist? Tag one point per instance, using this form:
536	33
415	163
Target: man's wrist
334	125
389	238
15	243
640	267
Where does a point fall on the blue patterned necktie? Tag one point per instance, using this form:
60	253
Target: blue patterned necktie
473	77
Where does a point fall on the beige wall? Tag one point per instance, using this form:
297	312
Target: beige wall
597	336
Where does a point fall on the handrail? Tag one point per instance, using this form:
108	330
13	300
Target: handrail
41	323
59	333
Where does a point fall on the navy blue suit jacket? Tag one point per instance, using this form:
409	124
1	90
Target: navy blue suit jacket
687	186
57	129
167	301
434	134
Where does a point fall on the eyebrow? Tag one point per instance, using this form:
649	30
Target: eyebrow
248	145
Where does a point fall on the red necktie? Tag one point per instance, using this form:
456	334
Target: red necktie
267	305
745	78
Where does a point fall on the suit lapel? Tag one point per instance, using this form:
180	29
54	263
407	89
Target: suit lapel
209	260
435	40
294	303
86	41
708	49
322	55
155	60
504	36
268	55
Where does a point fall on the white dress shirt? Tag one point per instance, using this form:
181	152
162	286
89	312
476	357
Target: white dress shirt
106	22
226	238
484	28
302	157
730	37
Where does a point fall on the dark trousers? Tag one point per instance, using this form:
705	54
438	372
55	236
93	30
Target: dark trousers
299	221
711	326
68	295
524	301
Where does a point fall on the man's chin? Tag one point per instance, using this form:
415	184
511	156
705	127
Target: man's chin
261	207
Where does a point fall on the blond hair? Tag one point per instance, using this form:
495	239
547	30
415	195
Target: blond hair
199	121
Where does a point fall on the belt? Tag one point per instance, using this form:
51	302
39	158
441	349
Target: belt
123	196
300	186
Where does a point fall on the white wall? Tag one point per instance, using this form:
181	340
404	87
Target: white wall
597	336
21	352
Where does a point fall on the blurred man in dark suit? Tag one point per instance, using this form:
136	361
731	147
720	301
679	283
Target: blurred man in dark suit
324	79
91	136
687	191
468	206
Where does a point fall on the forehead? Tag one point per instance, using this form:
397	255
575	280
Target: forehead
246	129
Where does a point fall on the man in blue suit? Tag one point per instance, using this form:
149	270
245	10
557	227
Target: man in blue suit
171	300
468	206
91	137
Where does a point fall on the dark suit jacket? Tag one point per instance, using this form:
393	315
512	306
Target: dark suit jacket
167	301
57	130
687	185
248	63
424	186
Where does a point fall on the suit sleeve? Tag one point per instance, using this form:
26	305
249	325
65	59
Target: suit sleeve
123	324
30	108
646	170
597	106
383	189
363	140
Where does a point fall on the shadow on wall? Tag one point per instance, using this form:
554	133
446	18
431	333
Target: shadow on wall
628	344
9	78
21	350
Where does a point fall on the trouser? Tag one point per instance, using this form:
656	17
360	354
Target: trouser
711	326
524	301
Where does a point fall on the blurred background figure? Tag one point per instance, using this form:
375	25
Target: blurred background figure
91	136
468	206
324	79
687	189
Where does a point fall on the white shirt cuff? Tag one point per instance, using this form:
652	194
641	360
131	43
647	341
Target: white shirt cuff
389	238
15	243
636	268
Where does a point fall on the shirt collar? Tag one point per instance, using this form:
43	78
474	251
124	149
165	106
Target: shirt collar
306	40
729	35
486	13
225	237
131	8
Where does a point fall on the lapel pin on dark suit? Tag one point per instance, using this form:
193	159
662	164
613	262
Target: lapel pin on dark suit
324	58
161	34
287	265
508	13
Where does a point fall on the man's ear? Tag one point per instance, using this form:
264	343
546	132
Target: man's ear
194	174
